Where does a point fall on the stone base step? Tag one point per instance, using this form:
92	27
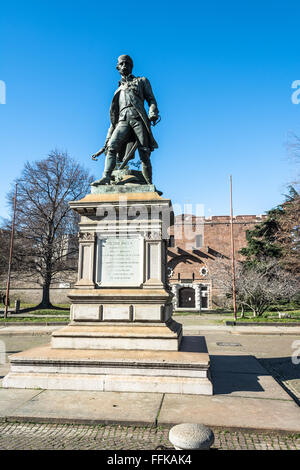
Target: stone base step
185	371
110	383
126	336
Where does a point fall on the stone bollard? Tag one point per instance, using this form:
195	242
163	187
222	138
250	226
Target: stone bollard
17	306
191	436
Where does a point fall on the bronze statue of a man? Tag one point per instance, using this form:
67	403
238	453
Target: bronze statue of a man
130	126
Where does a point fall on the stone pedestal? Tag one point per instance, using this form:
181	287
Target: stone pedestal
121	335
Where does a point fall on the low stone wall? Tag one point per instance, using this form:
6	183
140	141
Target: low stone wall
58	295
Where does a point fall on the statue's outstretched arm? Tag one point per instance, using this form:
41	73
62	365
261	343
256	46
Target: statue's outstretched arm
149	96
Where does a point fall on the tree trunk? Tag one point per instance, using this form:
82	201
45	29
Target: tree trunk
45	303
242	311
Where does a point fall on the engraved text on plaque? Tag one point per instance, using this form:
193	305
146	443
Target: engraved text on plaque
120	261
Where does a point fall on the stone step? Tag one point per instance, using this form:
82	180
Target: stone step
184	371
110	383
124	336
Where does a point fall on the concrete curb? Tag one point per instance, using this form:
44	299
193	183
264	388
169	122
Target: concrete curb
247	330
187	329
233	323
20	323
29	330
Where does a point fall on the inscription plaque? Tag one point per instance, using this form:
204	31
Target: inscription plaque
120	261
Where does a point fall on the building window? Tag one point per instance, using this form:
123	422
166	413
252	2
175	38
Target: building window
204	302
199	241
170	272
204	297
204	271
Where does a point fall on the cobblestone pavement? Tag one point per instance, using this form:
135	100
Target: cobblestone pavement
34	436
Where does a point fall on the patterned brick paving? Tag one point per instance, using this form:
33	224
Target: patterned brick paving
33	436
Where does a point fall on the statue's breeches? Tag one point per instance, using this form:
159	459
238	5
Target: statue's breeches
126	131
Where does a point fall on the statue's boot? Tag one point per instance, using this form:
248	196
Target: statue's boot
147	172
103	180
110	164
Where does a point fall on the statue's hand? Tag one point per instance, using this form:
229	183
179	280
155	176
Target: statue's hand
154	119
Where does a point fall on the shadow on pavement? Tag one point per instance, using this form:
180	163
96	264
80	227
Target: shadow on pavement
282	366
283	370
236	373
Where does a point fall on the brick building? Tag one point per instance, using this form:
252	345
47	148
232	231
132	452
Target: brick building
195	242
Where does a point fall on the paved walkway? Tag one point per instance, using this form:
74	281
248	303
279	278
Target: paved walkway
245	396
29	436
249	407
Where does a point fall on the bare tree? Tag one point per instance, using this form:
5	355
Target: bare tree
293	147
288	235
46	227
257	287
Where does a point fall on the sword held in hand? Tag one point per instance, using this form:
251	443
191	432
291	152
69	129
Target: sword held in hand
97	154
129	155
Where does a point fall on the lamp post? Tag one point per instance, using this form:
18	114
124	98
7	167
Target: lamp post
10	254
232	252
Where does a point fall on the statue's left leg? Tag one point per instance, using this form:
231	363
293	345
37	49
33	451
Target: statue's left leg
144	148
146	164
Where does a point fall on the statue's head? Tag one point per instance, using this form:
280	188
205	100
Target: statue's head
125	65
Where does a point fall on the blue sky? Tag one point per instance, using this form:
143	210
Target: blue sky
221	72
